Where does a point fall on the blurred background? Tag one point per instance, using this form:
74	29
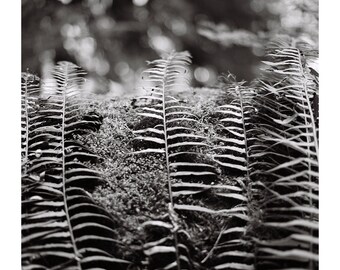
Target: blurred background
112	39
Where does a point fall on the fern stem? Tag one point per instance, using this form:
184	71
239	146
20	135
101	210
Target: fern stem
164	82
248	182
26	131
210	253
311	263
167	151
244	130
166	136
311	114
76	252
309	108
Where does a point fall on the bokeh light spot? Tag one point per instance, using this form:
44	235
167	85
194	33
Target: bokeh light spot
202	74
65	2
140	3
162	43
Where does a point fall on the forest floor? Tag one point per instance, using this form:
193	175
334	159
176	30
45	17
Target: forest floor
135	187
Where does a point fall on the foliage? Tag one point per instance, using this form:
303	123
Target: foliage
287	155
206	179
62	227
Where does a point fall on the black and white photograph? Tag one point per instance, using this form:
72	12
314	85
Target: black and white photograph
169	135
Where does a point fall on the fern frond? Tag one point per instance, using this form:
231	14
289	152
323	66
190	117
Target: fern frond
233	248
287	154
159	246
171	130
62	226
30	85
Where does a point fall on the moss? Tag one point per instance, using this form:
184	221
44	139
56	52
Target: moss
136	188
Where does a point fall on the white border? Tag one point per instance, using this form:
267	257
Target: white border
10	51
329	135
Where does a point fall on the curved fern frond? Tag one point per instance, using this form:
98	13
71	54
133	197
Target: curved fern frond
287	154
62	226
232	149
170	131
233	248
